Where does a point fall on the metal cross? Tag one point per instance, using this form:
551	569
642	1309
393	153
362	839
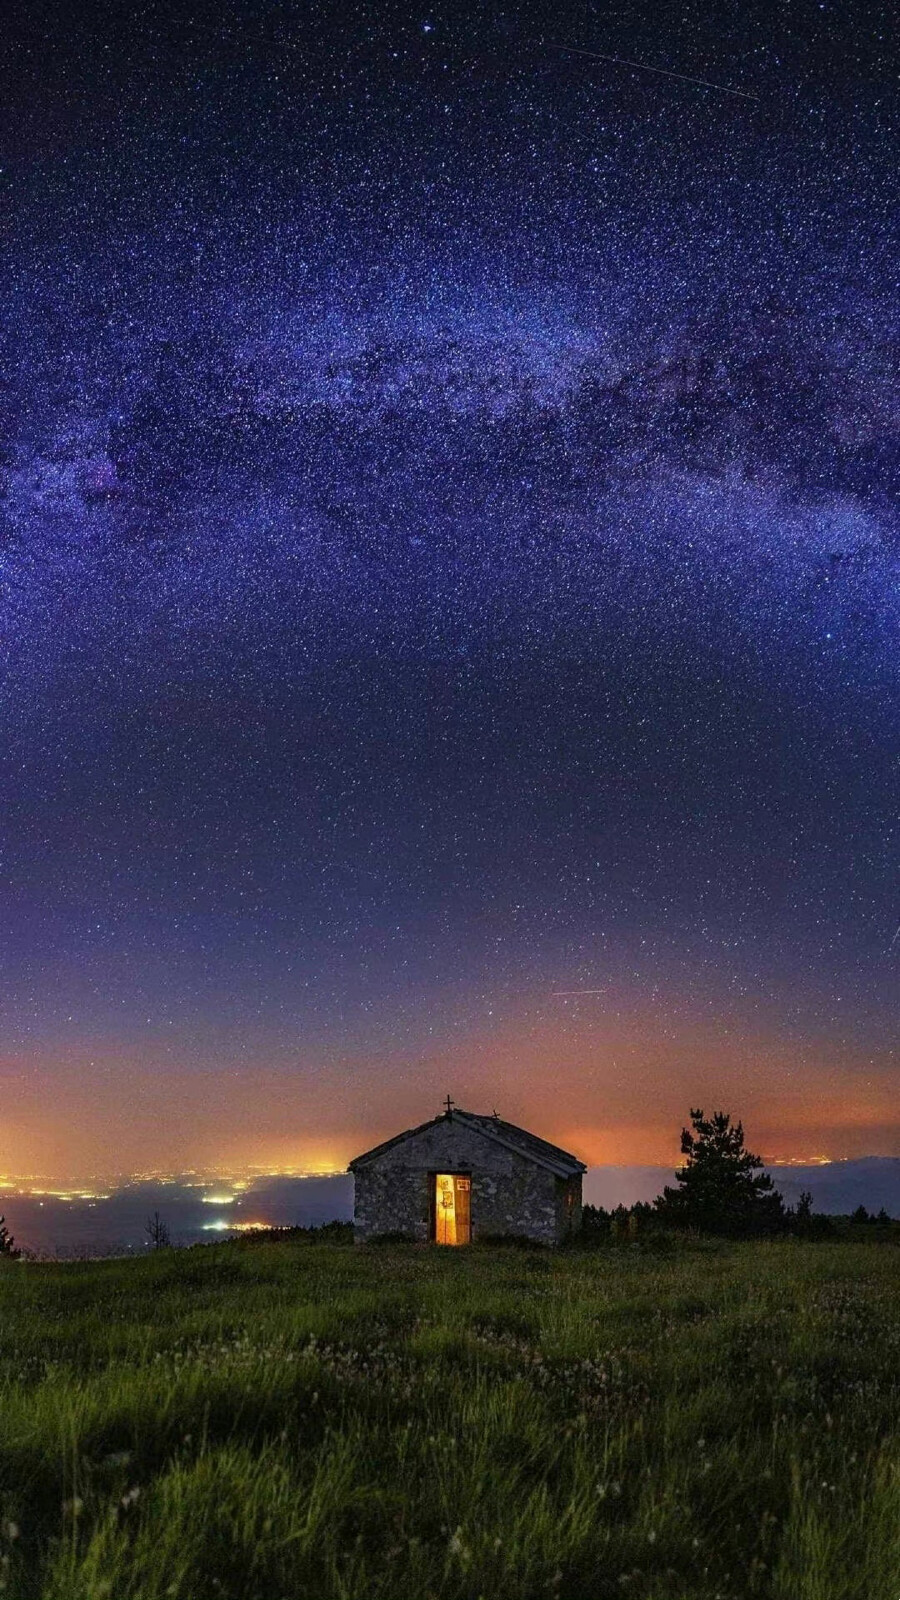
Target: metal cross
450	1104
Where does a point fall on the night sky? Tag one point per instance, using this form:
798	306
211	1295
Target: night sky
449	561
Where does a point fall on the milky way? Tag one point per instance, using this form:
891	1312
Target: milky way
449	553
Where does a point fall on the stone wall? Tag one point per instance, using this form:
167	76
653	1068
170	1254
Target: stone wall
510	1193
568	1206
390	1200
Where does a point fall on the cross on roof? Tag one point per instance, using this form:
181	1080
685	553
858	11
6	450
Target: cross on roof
449	1104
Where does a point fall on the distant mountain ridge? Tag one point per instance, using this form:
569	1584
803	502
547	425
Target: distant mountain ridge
837	1188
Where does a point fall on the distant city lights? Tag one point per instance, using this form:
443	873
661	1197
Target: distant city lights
222	1225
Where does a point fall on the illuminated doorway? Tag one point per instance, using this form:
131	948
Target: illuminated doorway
452	1214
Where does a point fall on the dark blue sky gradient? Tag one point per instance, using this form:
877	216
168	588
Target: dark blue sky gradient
449	555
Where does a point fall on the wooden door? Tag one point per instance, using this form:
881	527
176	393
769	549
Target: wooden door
463	1194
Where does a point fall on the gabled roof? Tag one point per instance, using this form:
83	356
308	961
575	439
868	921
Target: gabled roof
525	1144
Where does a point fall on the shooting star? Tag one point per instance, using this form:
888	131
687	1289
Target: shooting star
566	994
893	941
663	72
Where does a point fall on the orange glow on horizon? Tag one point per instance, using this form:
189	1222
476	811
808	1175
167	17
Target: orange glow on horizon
615	1085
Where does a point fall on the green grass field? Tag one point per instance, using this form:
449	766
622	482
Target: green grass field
290	1419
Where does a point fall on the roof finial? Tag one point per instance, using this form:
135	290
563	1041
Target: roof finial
449	1104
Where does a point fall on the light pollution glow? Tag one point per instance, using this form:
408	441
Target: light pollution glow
615	1088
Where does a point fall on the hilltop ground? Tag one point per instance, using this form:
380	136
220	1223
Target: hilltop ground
291	1419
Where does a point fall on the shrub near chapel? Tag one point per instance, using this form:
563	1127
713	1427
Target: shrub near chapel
8	1243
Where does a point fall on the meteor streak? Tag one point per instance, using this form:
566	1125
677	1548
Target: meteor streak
664	72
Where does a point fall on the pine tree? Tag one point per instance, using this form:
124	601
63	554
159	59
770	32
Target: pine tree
721	1187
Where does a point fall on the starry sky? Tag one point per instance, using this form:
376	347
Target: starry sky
449	577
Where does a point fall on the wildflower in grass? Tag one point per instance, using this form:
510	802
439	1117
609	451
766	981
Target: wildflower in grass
130	1496
73	1507
11	1530
458	1548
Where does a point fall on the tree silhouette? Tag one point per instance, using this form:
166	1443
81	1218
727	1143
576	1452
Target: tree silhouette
157	1232
8	1243
806	1223
721	1187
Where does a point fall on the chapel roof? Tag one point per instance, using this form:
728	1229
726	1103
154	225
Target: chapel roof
540	1151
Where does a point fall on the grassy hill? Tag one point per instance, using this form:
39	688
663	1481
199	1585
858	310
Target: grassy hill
292	1419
